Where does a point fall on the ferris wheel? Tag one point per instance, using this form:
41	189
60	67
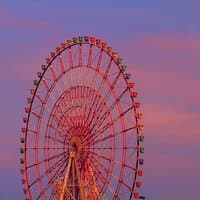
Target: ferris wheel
82	132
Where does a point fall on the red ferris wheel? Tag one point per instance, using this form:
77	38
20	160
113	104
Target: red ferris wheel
82	132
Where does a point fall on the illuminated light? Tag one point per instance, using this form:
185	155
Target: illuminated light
32	91
141	127
119	61
140	172
39	74
109	49
103	44
25	119
21	150
29	100
24	130
127	76
35	82
43	67
141	161
136	195
22	170
139	115
137	105
141	138
22	160
92	40
80	38
75	40
138	184
53	54
63	45
86	38
131	85
134	94
57	49
141	149
114	54
27	110
98	42
124	68
22	140
48	60
25	191
23	181
69	42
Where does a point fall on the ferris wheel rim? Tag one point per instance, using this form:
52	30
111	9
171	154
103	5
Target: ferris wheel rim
134	108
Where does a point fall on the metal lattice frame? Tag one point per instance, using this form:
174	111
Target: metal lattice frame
82	133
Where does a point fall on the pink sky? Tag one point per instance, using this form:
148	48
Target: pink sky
160	43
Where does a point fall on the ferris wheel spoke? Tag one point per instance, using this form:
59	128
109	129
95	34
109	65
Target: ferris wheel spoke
50	182
111	174
47	171
100	107
54	139
109	109
97	140
89	64
97	69
43	148
99	175
47	159
62	67
108	125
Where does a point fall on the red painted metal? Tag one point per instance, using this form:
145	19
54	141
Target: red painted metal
82	95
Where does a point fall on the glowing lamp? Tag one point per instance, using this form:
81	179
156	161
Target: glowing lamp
109	49
22	160
141	149
25	119
114	54
25	191
24	130
23	181
136	195
103	44
124	68
75	40
98	42
137	104
39	74
63	45
141	127
21	150
80	38
119	61
27	110
69	42
48	60
86	38
22	140
35	82
140	172
138	184
92	40
141	161
53	54
139	115
131	85
43	67
141	138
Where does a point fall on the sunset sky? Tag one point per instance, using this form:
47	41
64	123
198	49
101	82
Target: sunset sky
160	42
